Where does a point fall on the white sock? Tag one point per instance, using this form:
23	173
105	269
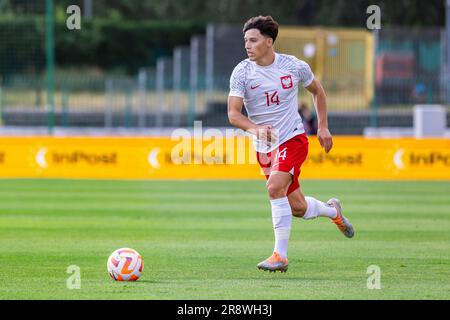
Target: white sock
282	219
317	208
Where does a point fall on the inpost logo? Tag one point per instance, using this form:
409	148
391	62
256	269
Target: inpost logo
79	157
429	159
189	157
349	159
2	157
416	159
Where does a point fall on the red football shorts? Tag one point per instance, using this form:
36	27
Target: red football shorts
289	157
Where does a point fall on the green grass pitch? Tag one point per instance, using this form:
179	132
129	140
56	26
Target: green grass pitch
203	239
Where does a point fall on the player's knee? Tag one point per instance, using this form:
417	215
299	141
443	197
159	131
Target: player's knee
275	191
299	209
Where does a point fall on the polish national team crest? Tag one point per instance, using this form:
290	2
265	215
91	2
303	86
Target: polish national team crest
286	82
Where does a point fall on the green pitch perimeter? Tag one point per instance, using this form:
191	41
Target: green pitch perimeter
203	239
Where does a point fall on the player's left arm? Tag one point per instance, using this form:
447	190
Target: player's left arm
320	103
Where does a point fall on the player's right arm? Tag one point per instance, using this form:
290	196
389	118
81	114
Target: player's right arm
236	117
236	101
240	121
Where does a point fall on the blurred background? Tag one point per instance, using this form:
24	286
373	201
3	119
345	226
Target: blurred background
143	65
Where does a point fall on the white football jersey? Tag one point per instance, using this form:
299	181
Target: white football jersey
270	95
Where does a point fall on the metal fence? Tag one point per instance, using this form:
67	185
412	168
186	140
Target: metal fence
410	67
371	79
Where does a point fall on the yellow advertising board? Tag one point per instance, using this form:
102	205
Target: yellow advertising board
363	158
216	158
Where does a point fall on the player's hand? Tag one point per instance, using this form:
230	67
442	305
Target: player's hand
325	139
267	134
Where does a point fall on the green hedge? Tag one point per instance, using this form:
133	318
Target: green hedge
22	45
118	44
108	44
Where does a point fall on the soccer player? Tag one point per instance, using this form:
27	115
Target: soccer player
267	85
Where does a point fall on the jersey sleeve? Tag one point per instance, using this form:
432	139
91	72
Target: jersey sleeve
305	73
237	82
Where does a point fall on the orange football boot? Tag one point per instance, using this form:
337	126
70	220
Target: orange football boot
274	263
340	221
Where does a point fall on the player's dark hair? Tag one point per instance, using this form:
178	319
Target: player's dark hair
266	25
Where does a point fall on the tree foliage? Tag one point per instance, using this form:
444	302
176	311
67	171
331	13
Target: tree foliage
127	34
345	13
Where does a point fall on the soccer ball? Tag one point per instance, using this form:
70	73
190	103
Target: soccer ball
125	264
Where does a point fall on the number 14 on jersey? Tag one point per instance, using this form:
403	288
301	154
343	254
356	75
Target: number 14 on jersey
273	98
